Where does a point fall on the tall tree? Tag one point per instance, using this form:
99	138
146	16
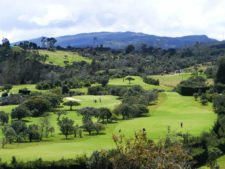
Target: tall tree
4	117
20	112
66	126
71	104
130	79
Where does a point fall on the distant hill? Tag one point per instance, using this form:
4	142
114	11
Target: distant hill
118	40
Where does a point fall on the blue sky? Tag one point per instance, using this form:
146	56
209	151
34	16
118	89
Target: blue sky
26	19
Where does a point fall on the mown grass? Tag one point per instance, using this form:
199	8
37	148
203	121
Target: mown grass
60	57
171	110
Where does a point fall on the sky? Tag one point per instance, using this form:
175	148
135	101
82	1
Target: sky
27	19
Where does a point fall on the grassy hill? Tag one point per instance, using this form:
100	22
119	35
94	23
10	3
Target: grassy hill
60	58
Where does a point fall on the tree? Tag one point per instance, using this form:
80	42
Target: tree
20	112
10	134
123	109
66	126
54	99
130	79
89	112
99	127
20	128
204	99
33	132
104	113
219	104
28	45
88	125
220	78
37	105
65	89
5	43
59	114
104	81
24	91
43	41
48	42
76	130
51	42
195	96
51	130
4	117
44	126
71	104
129	49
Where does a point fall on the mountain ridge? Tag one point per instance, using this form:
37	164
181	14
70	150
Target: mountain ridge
119	40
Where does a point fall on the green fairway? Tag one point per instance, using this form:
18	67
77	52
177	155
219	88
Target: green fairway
171	110
61	57
137	81
171	80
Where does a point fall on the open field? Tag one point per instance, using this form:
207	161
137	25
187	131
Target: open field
59	57
171	110
138	81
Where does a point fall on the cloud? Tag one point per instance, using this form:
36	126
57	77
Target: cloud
26	19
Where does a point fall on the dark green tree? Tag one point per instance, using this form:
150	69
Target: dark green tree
66	126
104	114
20	128
4	118
20	112
220	78
10	134
71	104
130	79
33	132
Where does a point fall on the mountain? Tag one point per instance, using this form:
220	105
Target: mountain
118	40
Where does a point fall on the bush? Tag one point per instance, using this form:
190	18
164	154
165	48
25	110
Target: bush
150	80
5	94
24	91
192	85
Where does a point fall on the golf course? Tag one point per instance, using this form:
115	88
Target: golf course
169	111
